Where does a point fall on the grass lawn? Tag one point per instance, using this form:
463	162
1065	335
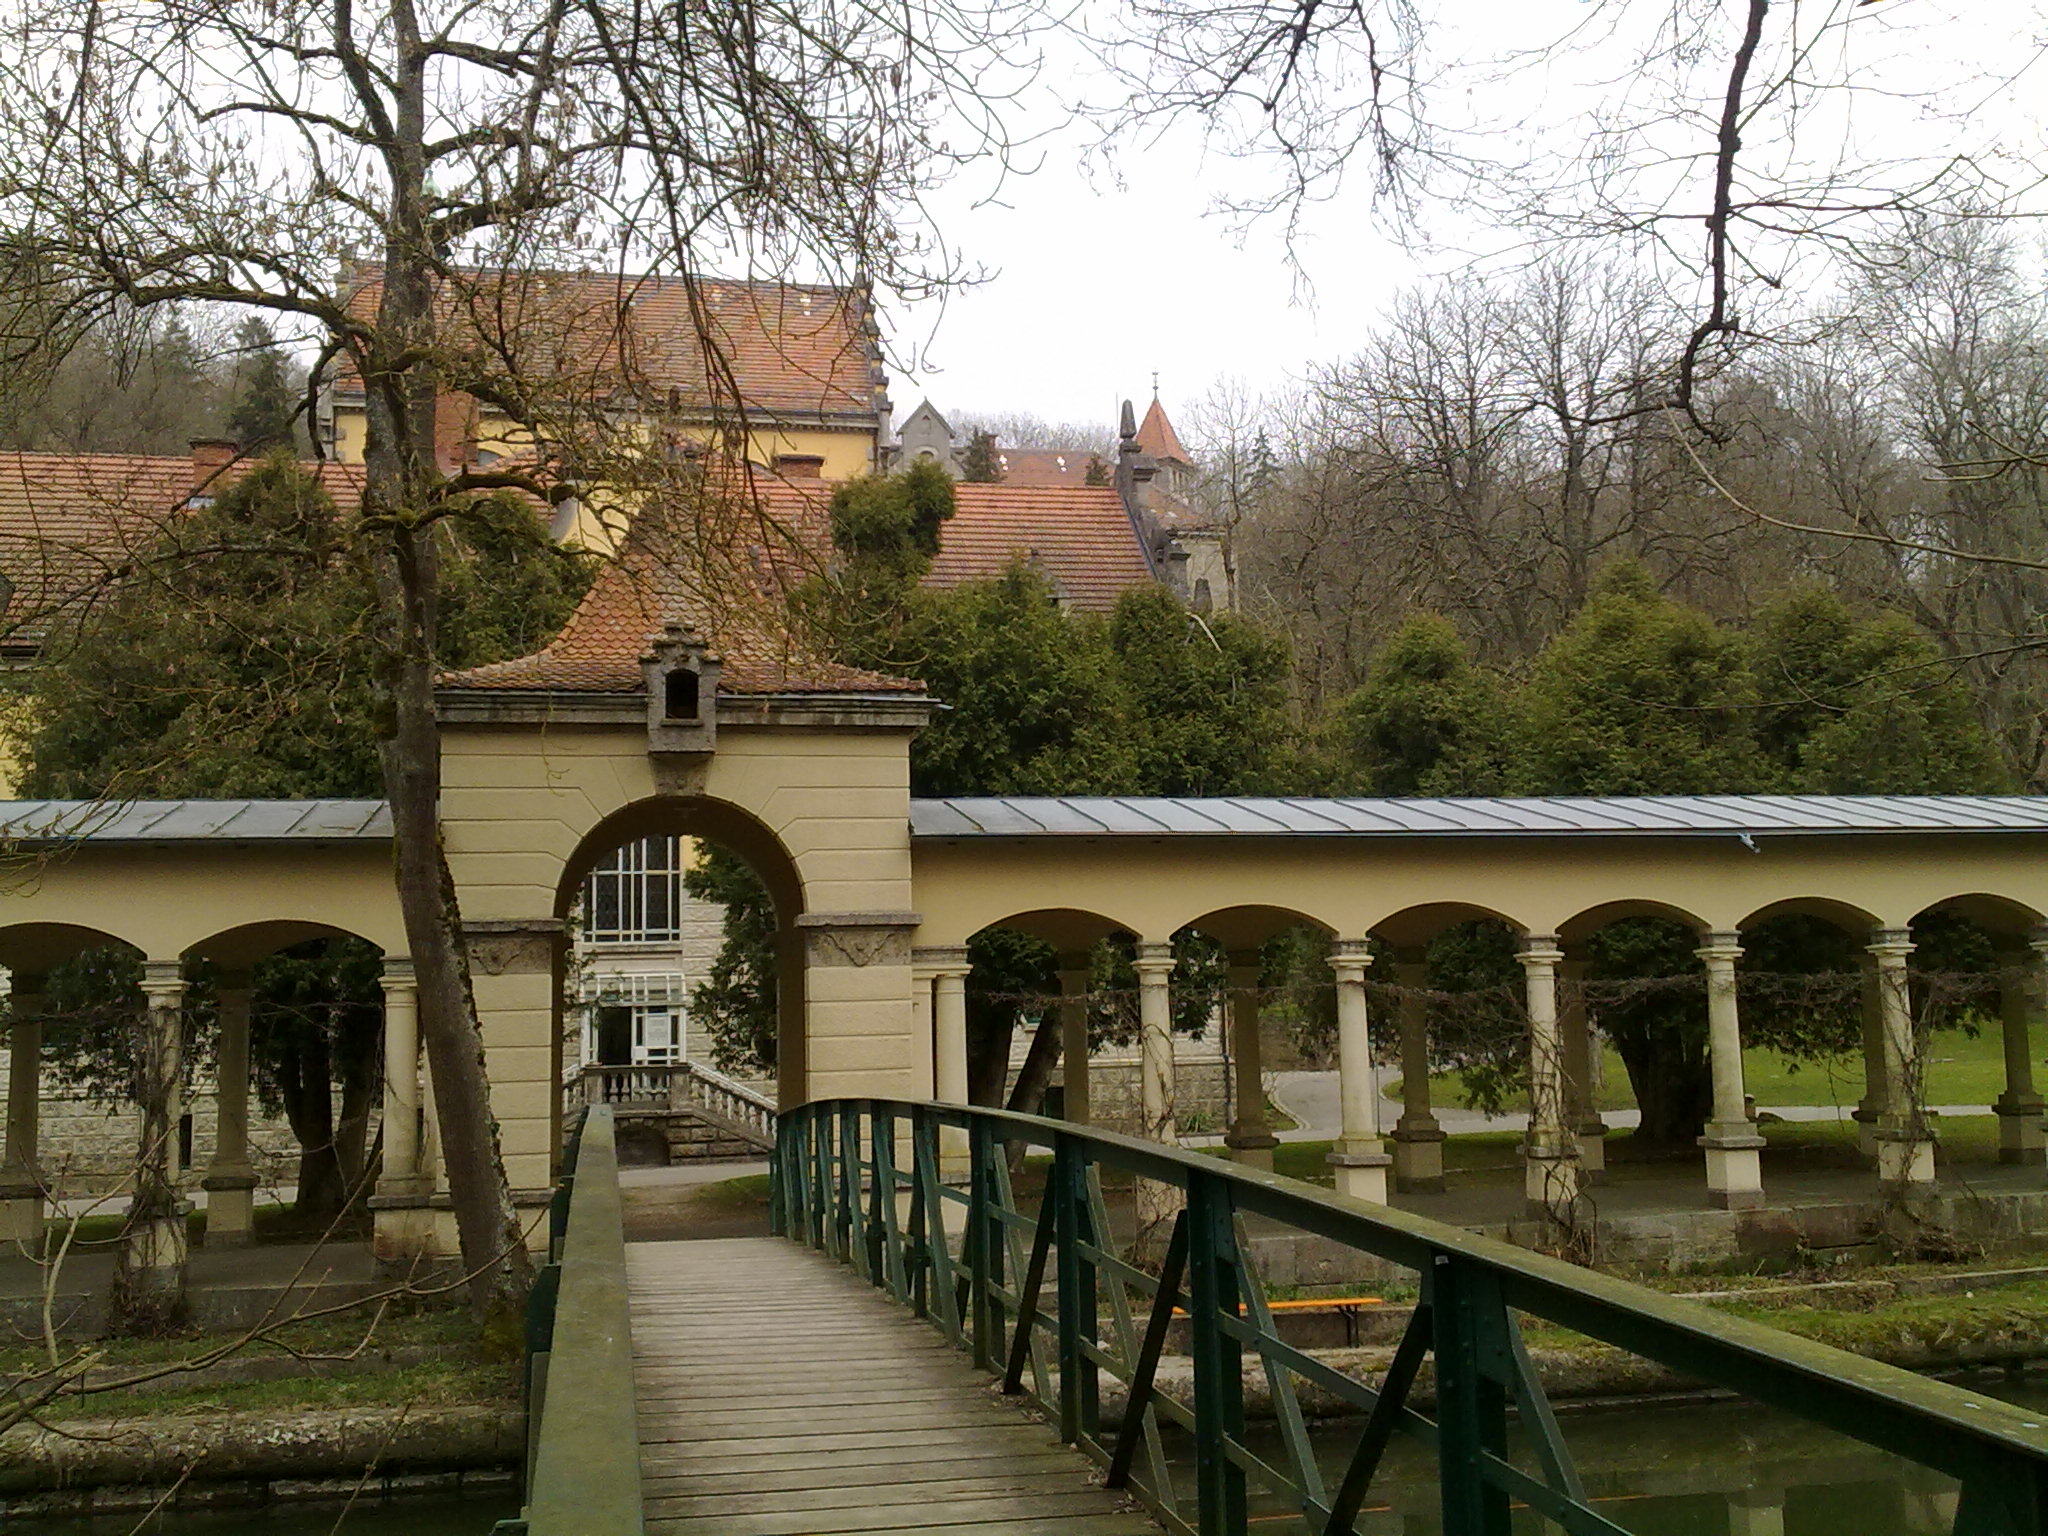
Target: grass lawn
272	1223
1960	1069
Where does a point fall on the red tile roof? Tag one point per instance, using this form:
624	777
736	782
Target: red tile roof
790	349
1049	466
1157	437
73	526
1079	536
769	525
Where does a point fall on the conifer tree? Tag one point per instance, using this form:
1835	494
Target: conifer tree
980	463
266	403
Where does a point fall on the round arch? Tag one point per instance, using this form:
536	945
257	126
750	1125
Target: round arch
1413	927
1070	930
1247	927
1847	916
1581	926
35	947
2000	916
712	820
240	947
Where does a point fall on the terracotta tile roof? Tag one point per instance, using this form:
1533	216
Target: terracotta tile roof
1079	536
73	525
789	348
1157	437
642	590
1048	466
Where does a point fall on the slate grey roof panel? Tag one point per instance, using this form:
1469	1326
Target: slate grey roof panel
1623	816
181	821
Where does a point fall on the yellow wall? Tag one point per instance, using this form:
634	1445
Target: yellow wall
1359	886
847	451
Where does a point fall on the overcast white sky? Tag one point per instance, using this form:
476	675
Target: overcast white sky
1096	285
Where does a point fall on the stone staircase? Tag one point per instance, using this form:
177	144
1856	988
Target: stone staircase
682	1112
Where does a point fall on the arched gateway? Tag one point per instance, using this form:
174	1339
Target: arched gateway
802	769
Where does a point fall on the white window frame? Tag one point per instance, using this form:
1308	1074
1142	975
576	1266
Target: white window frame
642	876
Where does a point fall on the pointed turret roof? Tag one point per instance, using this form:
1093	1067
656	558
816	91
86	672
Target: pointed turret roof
1157	437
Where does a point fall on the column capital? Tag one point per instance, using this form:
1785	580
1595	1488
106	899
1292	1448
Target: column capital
163	983
1539	952
27	984
1719	948
1075	980
399	973
1351	958
1892	944
1244	978
930	964
1154	959
234	981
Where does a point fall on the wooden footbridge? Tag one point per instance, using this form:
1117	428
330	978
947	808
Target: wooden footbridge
914	1352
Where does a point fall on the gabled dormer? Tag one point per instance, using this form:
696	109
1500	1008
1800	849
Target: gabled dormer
682	692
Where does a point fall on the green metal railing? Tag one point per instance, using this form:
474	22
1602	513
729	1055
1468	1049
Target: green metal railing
1048	1300
583	1433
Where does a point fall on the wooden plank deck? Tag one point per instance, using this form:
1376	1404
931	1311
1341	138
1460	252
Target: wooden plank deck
780	1395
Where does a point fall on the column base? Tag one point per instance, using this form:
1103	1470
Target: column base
1362	1169
1251	1145
1735	1175
1591	1136
2022	1134
21	1209
1419	1158
1904	1159
154	1250
230	1208
1550	1180
1866	1129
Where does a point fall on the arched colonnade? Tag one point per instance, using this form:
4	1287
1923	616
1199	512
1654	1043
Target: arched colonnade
173	885
1071	872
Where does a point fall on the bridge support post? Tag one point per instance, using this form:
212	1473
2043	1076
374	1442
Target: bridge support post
21	1180
1156	1203
230	1181
1074	1052
1734	1167
1904	1136
2020	997
1418	1137
1251	1139
1581	1104
1550	1166
1360	1157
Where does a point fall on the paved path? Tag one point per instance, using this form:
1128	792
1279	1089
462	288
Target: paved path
780	1395
1311	1098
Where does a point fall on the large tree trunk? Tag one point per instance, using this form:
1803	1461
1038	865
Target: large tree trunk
1673	1087
361	1056
399	479
308	1094
1027	1095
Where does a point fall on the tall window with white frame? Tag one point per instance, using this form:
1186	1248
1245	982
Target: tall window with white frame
632	922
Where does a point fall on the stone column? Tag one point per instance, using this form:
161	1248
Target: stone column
1735	1180
1359	1157
925	1040
949	969
1156	1203
1251	1139
149	1278
21	1180
401	1171
1581	1105
1075	975
1550	1155
1418	1138
1871	1106
2020	996
230	1181
1905	1139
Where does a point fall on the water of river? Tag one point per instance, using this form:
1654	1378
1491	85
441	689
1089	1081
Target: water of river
1713	1469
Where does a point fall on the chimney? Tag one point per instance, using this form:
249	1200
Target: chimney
800	466
210	457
